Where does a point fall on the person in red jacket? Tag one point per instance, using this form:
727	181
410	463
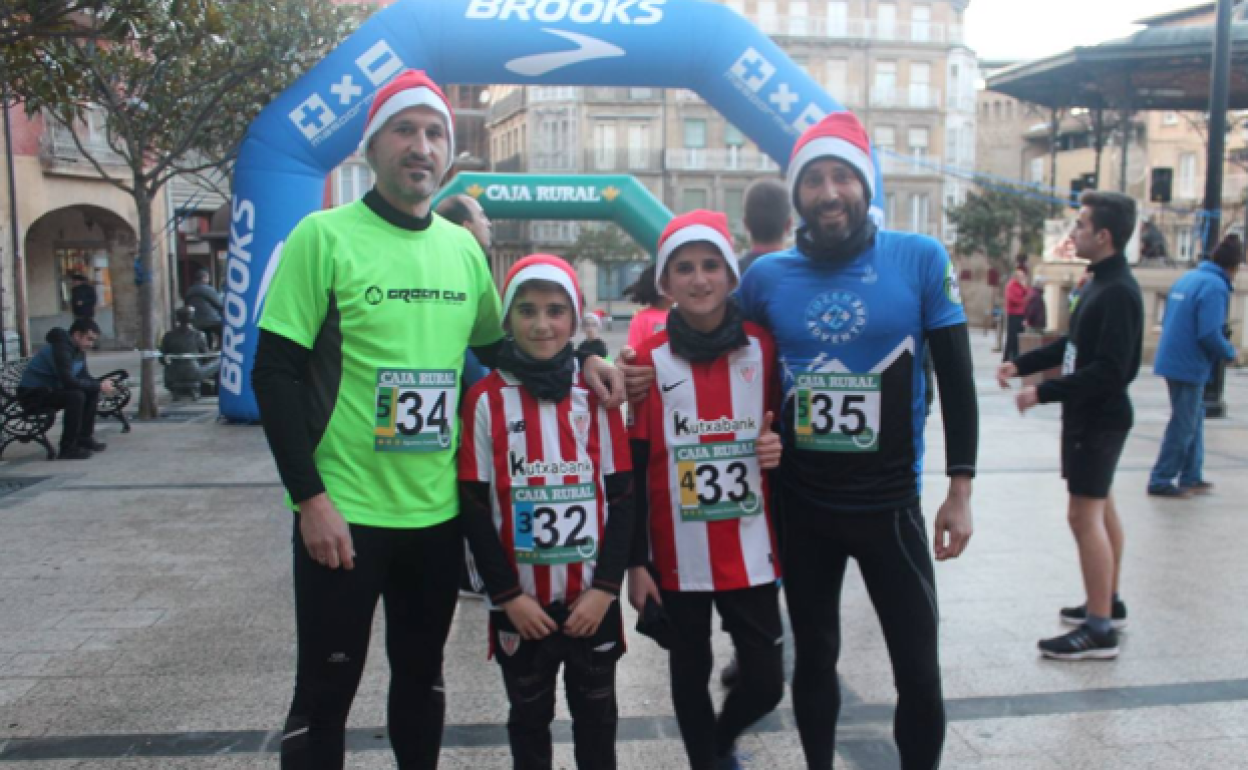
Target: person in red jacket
1016	293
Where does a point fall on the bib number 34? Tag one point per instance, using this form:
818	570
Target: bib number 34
414	410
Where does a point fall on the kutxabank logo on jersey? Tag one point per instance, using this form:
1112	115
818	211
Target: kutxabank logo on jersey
837	317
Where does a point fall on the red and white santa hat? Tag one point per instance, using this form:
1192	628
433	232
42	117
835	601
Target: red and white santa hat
542	267
411	88
697	225
839	136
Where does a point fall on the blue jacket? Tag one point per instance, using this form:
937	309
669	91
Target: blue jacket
59	365
1191	334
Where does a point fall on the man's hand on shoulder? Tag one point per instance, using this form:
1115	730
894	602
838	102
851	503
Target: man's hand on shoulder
639	378
606	381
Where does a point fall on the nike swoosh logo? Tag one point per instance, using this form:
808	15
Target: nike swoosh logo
590	48
673	386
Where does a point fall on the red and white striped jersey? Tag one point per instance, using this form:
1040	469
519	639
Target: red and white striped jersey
710	512
546	464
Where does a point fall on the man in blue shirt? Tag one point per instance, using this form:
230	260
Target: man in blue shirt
853	310
1192	342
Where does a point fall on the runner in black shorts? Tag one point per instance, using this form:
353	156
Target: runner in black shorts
1099	359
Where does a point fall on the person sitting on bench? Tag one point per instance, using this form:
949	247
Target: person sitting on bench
57	378
184	375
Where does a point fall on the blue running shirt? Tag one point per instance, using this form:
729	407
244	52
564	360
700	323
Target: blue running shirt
850	338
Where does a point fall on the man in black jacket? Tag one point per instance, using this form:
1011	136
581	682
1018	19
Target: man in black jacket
57	378
82	297
208	303
1099	358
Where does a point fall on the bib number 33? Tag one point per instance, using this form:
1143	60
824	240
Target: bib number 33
838	412
414	410
718	481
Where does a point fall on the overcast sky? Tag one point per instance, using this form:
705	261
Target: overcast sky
1028	29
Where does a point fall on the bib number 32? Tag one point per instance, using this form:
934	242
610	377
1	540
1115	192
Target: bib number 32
414	410
838	412
555	524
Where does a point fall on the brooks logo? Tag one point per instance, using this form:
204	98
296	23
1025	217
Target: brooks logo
589	49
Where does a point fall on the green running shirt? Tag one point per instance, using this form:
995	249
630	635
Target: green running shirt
387	314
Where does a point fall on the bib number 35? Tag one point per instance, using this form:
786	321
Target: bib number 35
838	413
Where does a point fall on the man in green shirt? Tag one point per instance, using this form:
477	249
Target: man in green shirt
357	379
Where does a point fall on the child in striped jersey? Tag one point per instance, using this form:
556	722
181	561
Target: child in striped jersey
546	498
701	441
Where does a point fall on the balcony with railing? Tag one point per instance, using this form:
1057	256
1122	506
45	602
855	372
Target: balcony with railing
719	159
892	164
554	232
914	97
59	153
511	165
615	95
541	94
606	161
921	32
559	160
507	106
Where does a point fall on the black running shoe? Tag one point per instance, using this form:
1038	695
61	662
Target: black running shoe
1081	644
90	443
1077	616
74	453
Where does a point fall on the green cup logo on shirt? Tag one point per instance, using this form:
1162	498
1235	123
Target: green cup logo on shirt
415	410
838	412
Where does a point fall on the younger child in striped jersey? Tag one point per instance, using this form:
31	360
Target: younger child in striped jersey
546	498
701	441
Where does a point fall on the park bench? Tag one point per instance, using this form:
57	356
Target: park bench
24	425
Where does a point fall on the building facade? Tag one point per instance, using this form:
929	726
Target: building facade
66	219
902	67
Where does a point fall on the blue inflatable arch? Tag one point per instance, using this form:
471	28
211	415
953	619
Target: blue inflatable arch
316	124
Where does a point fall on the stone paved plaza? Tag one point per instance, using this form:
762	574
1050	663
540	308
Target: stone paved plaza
146	617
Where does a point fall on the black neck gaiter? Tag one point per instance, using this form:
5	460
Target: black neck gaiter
547	380
700	347
861	239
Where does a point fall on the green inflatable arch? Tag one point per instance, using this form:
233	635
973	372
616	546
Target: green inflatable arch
614	198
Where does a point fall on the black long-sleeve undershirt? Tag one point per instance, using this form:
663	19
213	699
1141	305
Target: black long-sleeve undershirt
501	581
278	378
959	406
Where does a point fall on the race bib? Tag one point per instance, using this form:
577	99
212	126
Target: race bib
415	409
1068	359
555	525
838	412
718	481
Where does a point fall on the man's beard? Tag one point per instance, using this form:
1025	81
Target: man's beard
828	237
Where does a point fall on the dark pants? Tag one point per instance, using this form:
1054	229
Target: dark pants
1013	328
415	572
891	549
213	335
531	676
79	406
752	618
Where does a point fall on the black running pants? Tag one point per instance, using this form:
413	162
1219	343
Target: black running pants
415	573
892	551
751	617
